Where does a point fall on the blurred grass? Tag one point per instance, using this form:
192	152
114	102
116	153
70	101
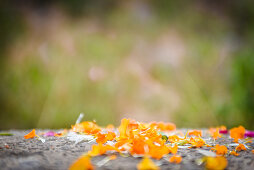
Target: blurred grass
147	61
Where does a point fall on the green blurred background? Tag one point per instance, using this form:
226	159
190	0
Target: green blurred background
187	62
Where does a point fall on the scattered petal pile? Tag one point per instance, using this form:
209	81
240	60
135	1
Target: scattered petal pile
156	140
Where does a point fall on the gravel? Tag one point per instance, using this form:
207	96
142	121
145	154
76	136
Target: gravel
17	153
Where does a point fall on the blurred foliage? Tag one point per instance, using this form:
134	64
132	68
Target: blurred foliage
186	62
242	84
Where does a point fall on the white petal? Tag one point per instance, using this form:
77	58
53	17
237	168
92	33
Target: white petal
41	139
81	115
72	136
206	153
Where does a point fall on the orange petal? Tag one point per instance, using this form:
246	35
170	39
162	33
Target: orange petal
97	150
112	157
110	127
175	159
173	149
101	138
111	136
138	146
197	142
237	133
234	153
195	133
100	149
30	134
220	149
240	147
157	152
215	133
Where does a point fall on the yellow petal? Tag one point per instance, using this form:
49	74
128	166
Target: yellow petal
123	127
147	164
83	163
216	163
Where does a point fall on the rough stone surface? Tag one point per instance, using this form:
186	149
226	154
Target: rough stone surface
58	153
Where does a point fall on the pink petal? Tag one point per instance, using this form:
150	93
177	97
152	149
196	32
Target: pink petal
50	133
249	133
223	131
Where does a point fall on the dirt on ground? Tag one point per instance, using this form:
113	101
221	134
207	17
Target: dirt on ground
17	153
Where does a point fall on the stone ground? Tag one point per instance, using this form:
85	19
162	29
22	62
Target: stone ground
58	153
